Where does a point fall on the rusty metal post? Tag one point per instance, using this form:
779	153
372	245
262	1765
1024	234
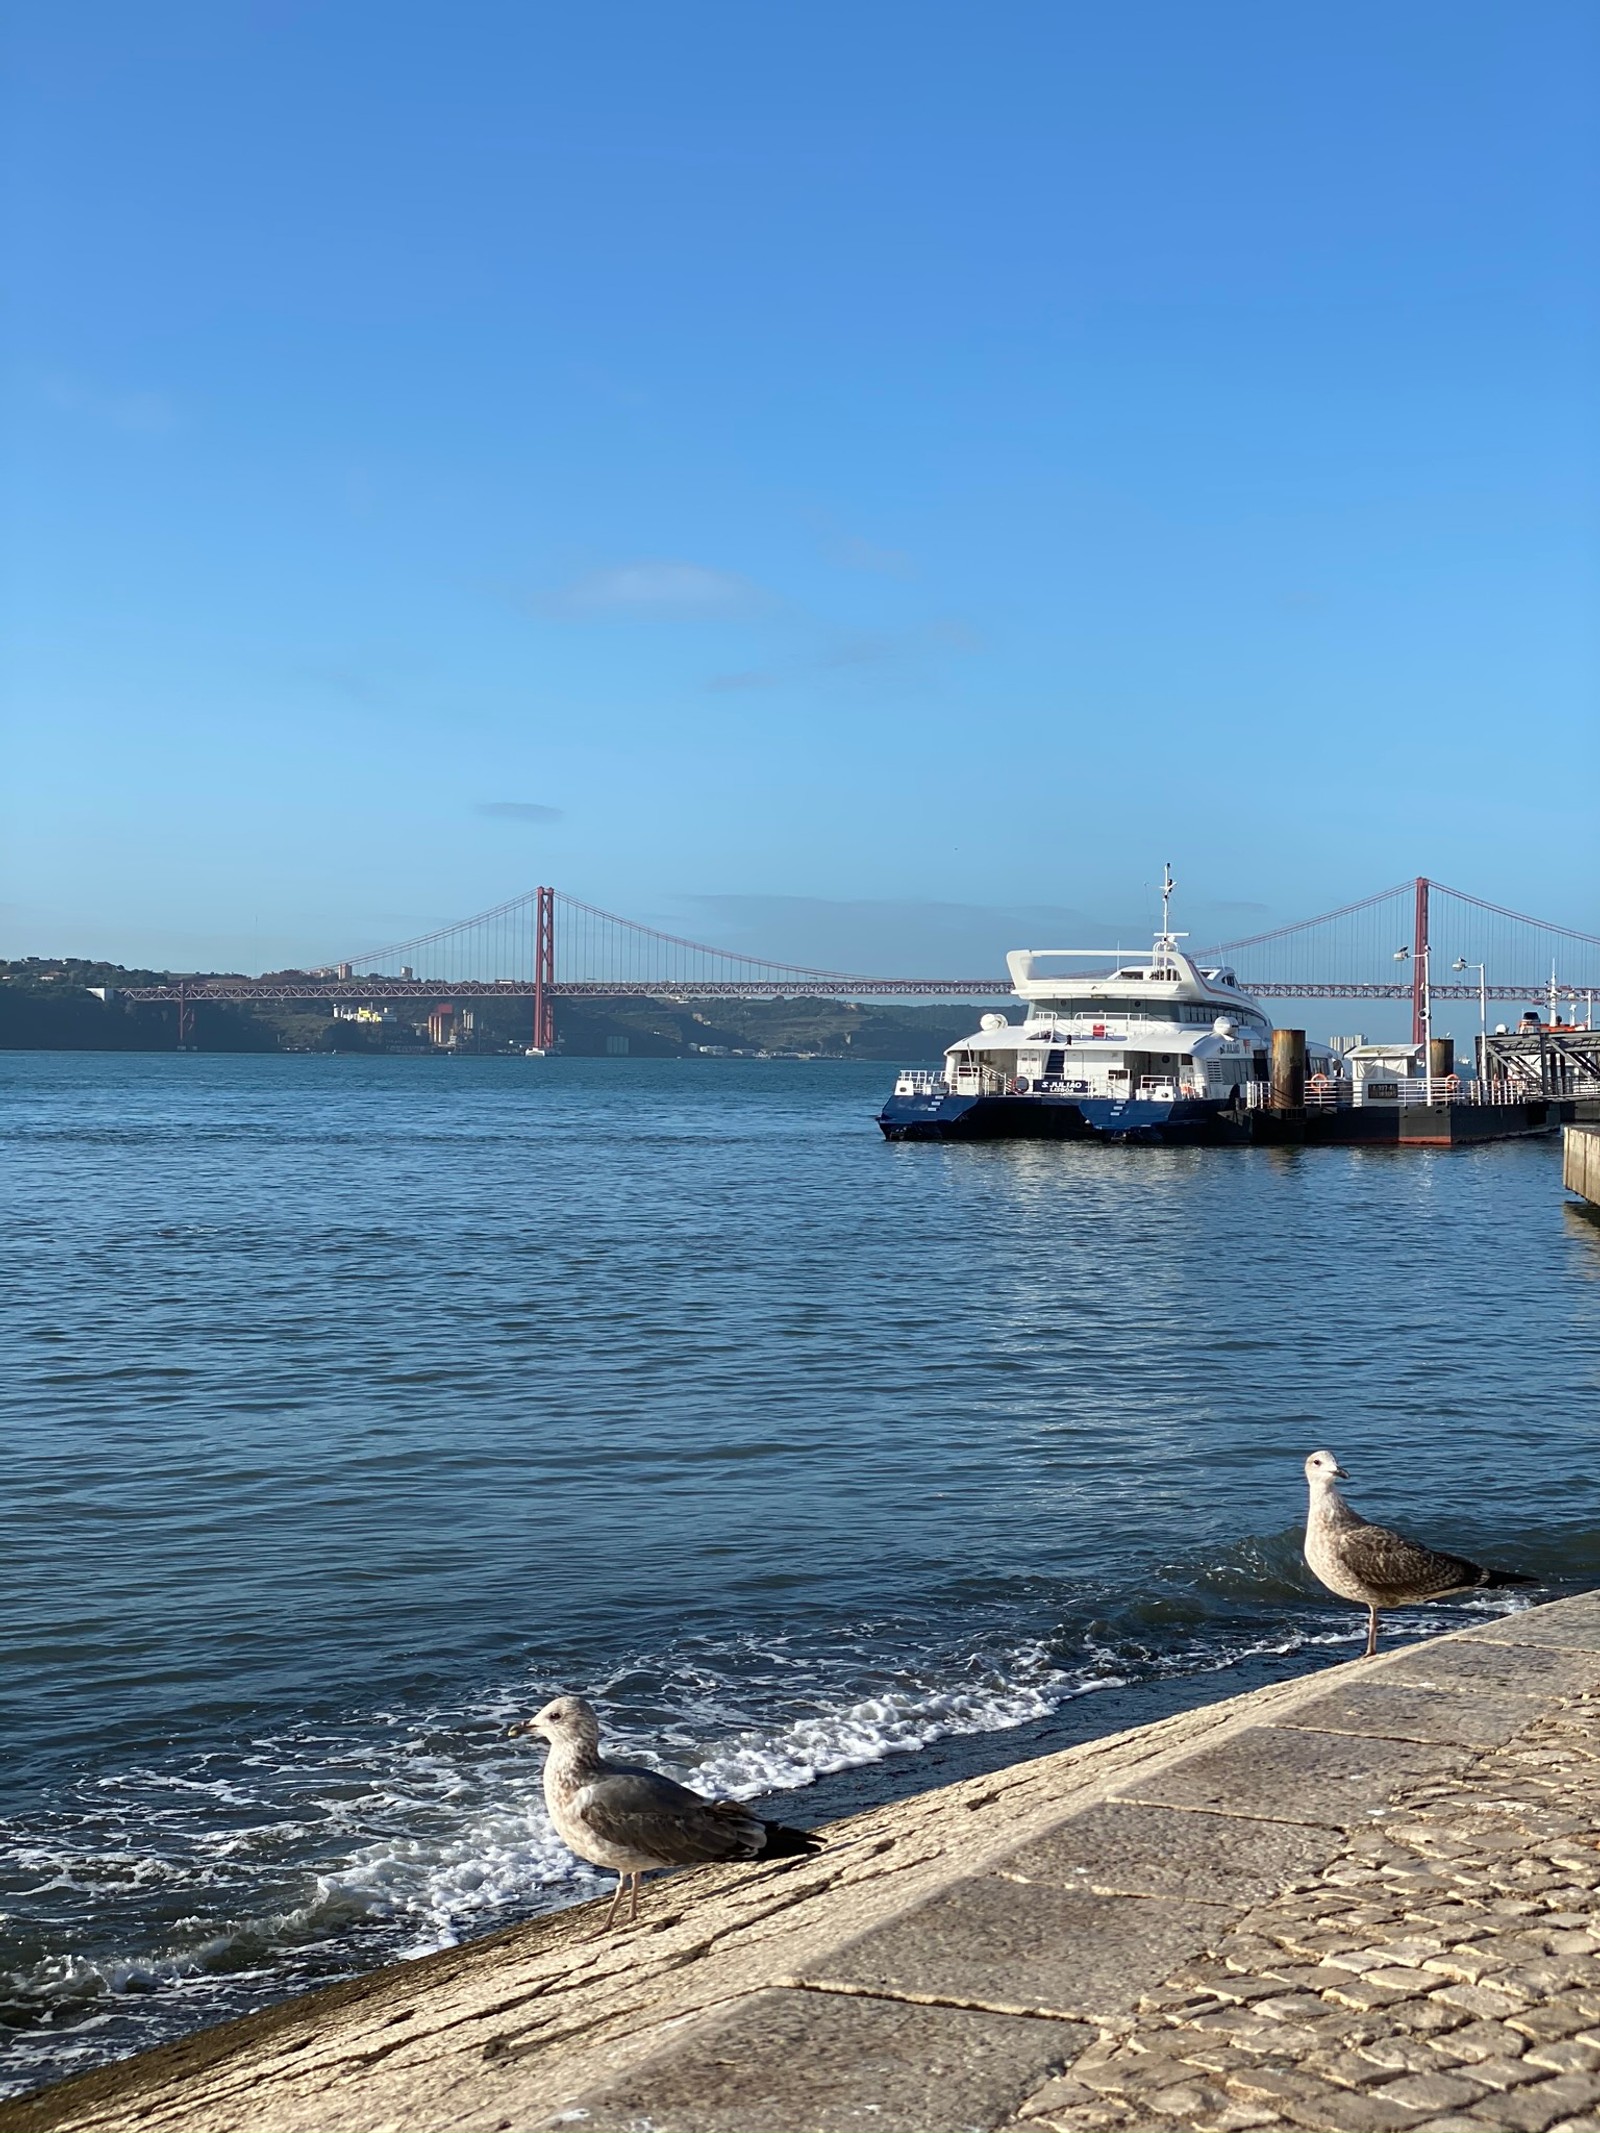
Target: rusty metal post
1441	1058
1288	1069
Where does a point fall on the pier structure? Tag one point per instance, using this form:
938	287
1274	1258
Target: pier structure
1365	1901
1543	1059
1580	1162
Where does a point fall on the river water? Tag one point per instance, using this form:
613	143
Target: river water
353	1407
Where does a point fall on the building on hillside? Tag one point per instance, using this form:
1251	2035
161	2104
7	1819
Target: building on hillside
450	1027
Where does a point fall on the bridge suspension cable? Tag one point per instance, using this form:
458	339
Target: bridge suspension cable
1454	944
593	946
547	942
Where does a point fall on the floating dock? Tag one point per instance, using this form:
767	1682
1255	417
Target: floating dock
1435	1125
1532	1091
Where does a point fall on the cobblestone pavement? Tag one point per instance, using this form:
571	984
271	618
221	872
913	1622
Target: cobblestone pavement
1442	1973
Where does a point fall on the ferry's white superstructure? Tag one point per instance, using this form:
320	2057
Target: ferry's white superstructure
1158	1045
1155	1028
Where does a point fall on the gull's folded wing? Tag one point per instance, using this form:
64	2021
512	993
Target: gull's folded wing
638	1810
1391	1566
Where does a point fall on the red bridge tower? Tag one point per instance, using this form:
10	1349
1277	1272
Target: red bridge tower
544	970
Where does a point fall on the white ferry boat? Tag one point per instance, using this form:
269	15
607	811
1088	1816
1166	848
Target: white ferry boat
1158	1048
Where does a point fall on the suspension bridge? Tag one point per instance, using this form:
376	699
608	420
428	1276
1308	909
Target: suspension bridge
1419	941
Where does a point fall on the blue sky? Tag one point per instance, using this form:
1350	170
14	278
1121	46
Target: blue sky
813	476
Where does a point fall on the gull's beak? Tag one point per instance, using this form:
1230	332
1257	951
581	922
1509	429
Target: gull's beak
1342	1473
523	1725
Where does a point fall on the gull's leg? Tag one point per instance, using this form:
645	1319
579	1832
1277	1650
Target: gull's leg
633	1910
1372	1634
622	1883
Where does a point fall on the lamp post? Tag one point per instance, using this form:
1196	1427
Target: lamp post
1403	955
1461	963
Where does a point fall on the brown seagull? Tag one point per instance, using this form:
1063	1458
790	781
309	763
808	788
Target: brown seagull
1373	1564
633	1820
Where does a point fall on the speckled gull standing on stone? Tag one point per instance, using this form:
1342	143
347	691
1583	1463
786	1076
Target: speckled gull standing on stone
1374	1564
635	1821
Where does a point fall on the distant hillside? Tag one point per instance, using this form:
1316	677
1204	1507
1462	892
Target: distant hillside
46	1004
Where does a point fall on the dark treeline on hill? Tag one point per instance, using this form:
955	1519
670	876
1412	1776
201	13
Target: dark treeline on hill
47	1004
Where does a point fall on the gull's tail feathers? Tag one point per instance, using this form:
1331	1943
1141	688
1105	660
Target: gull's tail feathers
781	1842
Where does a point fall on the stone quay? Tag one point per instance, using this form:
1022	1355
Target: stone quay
1362	1901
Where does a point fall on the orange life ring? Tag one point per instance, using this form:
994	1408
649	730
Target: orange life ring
1319	1081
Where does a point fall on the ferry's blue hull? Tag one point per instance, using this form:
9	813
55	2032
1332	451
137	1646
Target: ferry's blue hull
1059	1118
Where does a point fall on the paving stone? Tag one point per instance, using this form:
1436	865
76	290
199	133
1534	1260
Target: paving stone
1567	2055
1351	2111
1399	2055
1186	2100
1574	1625
1402	1711
1288	2006
1062	2092
1028	1947
1481	2000
1552	2019
1430	2017
1084	2118
1531	2110
1366	1992
1430	2092
1504	2073
1468	1965
1484	2040
1272	1771
781	2060
1123	1848
1273	2085
1465	1663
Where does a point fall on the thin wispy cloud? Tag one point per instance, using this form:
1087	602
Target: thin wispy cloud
845	653
519	811
136	414
954	635
858	651
350	682
850	552
751	680
651	592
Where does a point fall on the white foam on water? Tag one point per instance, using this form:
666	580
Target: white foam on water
900	1719
497	1849
500	1856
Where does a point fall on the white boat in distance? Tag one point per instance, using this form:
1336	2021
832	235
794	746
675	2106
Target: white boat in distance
1158	1049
